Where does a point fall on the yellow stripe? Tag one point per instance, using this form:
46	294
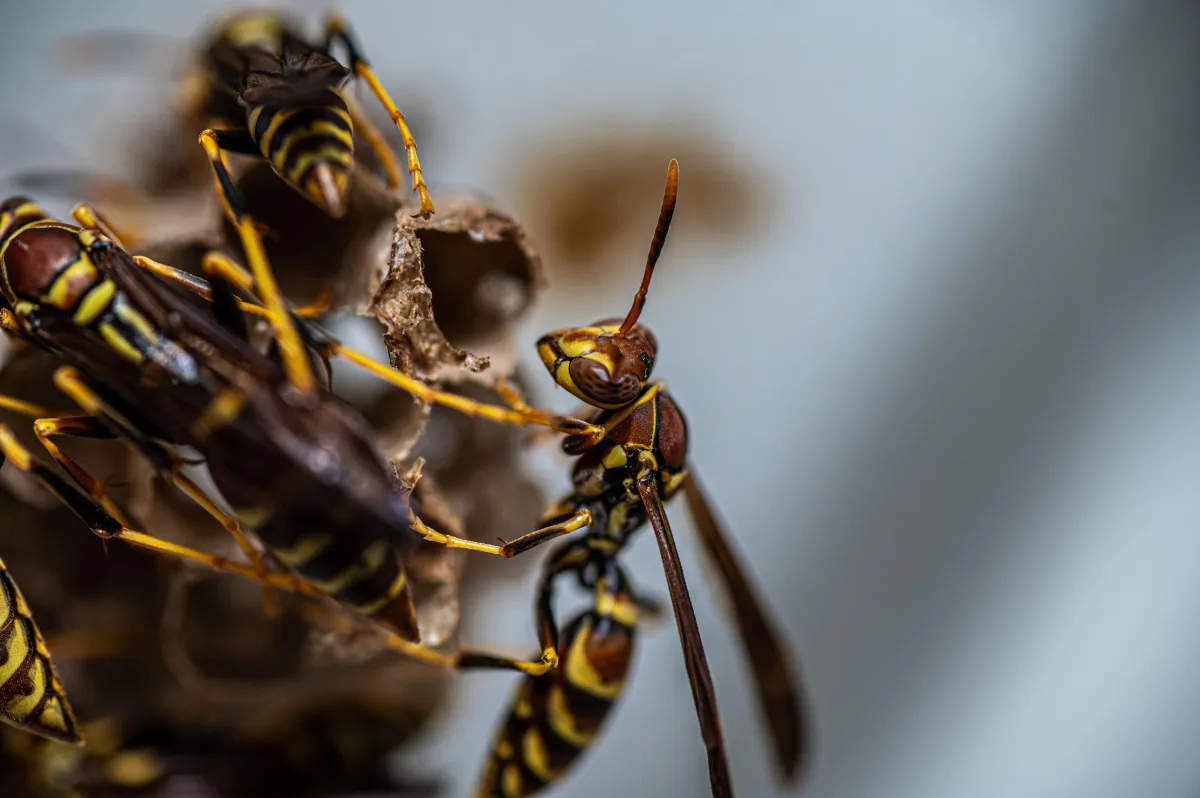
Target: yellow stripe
615	458
618	608
511	783
581	674
394	590
562	721
318	128
7	612
17	648
326	153
22	707
56	294
367	564
308	547
537	758
264	144
224	408
94	303
130	315
252	120
52	716
118	342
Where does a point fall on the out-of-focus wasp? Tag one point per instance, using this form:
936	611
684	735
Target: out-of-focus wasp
31	695
276	96
156	371
620	482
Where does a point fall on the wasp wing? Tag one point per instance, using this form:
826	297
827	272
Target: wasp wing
779	695
689	635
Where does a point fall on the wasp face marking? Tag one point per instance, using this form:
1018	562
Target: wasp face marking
599	364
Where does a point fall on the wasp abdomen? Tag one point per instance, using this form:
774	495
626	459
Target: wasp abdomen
311	147
31	696
557	716
370	580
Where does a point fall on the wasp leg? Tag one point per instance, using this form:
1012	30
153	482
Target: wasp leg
107	528
581	518
469	407
337	29
375	141
226	267
15	405
68	381
89	218
46	428
291	345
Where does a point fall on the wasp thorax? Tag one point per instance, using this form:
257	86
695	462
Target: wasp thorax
599	364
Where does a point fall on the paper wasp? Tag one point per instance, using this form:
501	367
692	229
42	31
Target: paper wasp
278	97
620	482
156	371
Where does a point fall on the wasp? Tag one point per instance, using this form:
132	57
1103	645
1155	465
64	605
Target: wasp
622	481
276	96
32	697
157	372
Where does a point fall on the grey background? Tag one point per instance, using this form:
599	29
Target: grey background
949	397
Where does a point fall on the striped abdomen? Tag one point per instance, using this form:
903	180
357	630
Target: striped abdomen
557	716
311	147
369	580
31	696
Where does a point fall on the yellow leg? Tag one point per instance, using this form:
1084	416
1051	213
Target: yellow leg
107	527
14	405
89	218
375	141
216	262
78	426
337	28
579	520
69	383
9	322
470	407
291	346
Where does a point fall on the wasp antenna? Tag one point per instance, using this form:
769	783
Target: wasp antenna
656	244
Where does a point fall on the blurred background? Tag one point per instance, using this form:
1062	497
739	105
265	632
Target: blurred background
929	304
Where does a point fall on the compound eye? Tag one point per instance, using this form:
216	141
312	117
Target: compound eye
597	385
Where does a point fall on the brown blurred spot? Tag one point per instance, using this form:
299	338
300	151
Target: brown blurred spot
588	192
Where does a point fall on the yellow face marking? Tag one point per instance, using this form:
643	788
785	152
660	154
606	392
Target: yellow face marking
511	783
578	343
617	518
118	342
223	409
504	749
367	564
22	707
562	721
329	152
318	128
17	648
581	674
537	758
523	709
308	547
94	303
